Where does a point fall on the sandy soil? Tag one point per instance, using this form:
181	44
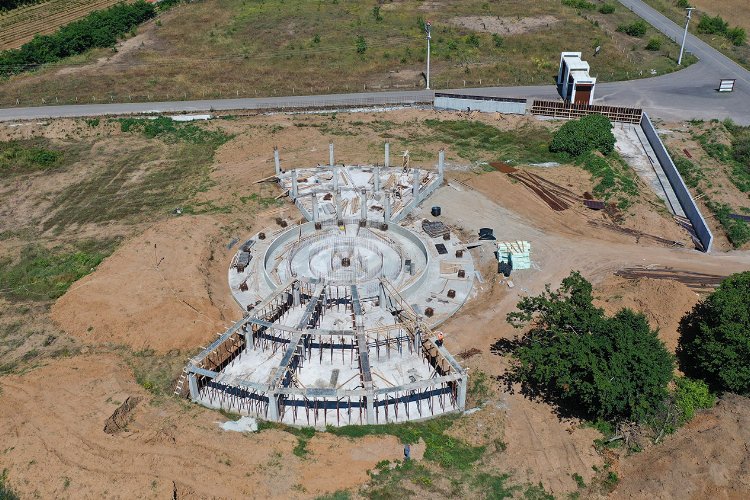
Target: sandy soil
709	458
55	445
663	302
171	445
505	26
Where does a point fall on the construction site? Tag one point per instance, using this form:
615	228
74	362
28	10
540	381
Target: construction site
341	308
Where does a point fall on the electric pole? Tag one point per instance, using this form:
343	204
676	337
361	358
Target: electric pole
684	36
427	27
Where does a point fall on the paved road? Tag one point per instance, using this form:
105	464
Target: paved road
690	93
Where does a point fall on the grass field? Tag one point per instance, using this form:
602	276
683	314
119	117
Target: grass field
18	26
235	48
735	12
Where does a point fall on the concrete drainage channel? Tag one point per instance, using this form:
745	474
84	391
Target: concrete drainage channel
340	311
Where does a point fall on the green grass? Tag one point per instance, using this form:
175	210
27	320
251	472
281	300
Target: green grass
31	155
614	180
475	141
42	274
690	172
449	452
144	181
336	495
303	435
737	231
157	373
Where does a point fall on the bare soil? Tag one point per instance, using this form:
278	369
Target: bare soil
505	26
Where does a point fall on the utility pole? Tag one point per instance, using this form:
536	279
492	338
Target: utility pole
684	36
427	27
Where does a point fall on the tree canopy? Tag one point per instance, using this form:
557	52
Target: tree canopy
578	137
715	337
590	365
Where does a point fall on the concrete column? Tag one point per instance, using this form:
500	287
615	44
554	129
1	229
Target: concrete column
330	155
415	183
276	160
462	393
294	184
315	215
273	407
417	340
386	207
441	165
377	179
381	297
193	381
336	205
387	154
335	178
363	205
370	409
297	296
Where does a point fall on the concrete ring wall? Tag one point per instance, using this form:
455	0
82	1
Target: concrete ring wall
309	227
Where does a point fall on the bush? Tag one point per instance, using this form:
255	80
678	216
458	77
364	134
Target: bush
607	8
577	137
6	5
714	340
691	395
712	25
737	231
654	44
497	40
637	28
590	365
683	4
361	44
472	40
99	29
741	149
736	35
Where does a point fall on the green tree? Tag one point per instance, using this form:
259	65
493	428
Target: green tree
715	337
577	137
590	365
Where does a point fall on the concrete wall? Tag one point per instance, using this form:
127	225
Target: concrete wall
678	185
480	103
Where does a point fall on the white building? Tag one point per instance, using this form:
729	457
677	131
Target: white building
573	79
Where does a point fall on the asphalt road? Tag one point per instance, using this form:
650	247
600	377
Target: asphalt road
683	95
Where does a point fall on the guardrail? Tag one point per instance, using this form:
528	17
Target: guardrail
678	185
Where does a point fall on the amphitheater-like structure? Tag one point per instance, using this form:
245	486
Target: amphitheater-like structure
340	310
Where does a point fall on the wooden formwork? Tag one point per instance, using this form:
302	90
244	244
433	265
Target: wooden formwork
560	109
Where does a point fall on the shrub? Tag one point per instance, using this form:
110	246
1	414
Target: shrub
592	366
637	28
607	8
683	4
741	149
376	14
736	35
712	25
691	395
714	340
497	40
577	137
654	44
472	40
99	29
738	231
361	44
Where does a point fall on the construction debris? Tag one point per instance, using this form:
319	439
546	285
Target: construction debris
699	282
434	229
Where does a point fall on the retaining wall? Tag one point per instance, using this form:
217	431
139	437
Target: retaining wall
678	185
485	104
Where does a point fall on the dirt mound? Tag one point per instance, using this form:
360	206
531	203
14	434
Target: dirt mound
121	417
664	302
708	458
155	292
505	25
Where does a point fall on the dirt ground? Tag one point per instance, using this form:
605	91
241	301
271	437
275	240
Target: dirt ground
53	439
505	26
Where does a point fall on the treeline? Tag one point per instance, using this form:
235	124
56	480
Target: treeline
12	4
99	29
